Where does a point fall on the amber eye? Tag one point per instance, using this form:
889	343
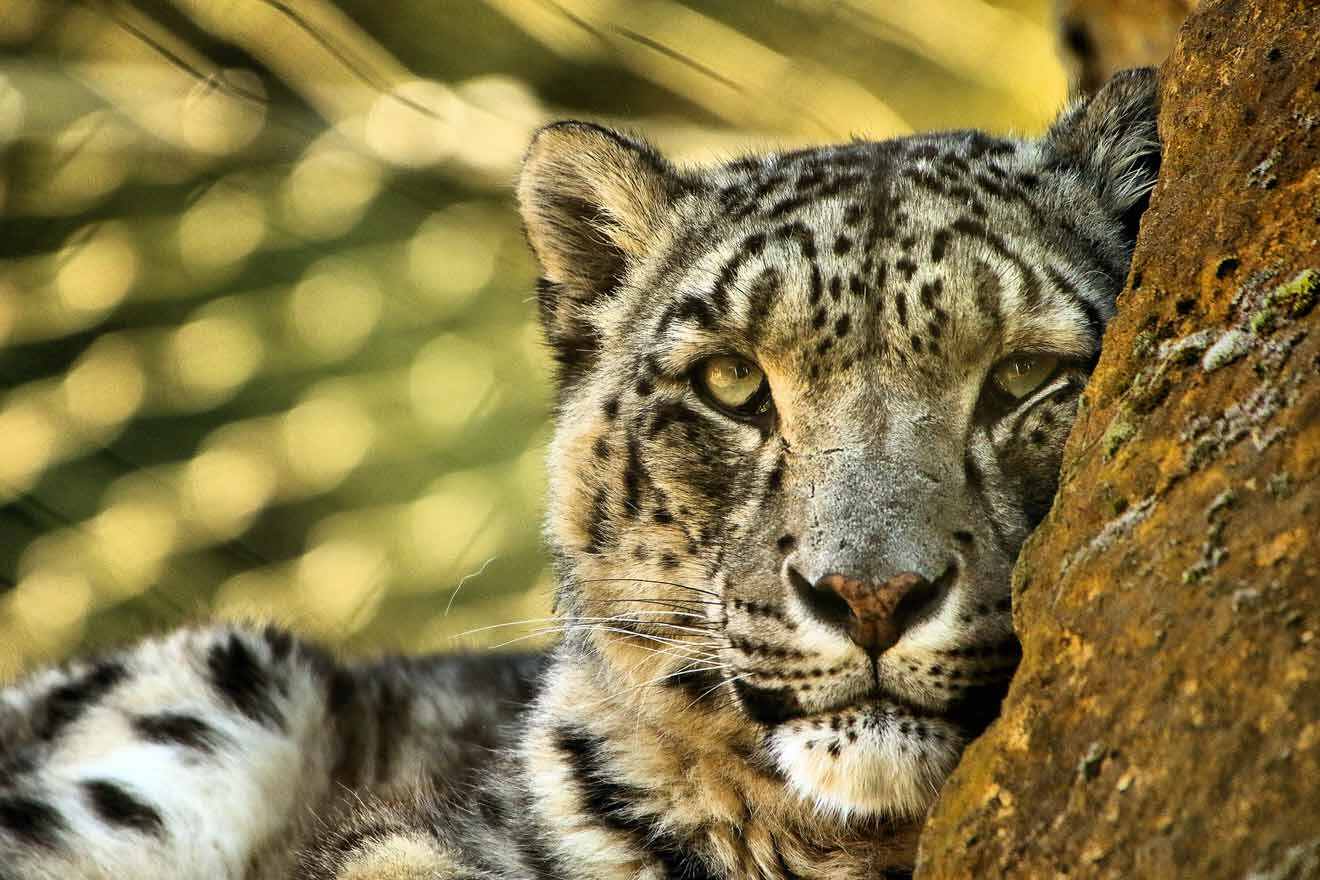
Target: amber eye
1022	374
734	385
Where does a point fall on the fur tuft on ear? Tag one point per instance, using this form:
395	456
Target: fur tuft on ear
592	201
1114	139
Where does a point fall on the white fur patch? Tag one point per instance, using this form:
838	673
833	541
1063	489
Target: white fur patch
874	764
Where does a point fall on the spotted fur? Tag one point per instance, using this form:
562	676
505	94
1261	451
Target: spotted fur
704	715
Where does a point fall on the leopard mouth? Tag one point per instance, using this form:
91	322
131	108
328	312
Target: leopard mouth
971	711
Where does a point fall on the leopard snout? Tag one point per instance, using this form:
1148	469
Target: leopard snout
874	615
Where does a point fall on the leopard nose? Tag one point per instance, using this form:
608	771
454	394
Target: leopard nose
873	615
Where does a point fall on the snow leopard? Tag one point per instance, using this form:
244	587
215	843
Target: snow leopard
810	405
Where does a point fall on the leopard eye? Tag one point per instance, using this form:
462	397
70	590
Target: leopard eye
1022	374
734	385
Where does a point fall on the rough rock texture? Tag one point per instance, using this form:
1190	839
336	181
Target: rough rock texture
1166	718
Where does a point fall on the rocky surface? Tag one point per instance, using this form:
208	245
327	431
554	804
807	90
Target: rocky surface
1165	721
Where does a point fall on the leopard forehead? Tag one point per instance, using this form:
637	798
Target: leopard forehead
918	256
866	279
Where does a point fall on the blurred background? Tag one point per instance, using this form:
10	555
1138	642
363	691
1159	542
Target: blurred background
267	347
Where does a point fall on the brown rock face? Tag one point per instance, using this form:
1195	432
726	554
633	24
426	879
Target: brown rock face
1165	721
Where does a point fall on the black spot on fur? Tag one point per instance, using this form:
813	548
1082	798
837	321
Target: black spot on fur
392	716
633	475
930	291
177	729
768	706
241	681
671	413
786	543
701	684
596	532
972	473
115	805
30	821
619	807
841	325
65	704
815	284
691	308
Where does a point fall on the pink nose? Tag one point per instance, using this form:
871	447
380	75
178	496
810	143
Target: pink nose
877	619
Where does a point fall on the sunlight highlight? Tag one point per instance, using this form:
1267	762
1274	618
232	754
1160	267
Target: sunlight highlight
133	539
341	582
49	607
220	230
213	355
29	441
224	489
456	525
325	438
450	381
334	308
106	385
452	255
97	268
415	124
329	190
223	113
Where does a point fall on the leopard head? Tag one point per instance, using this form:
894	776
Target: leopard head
810	405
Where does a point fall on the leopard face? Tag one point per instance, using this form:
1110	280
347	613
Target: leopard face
810	406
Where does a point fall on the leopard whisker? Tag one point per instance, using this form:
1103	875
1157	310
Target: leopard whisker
649	581
729	680
535	620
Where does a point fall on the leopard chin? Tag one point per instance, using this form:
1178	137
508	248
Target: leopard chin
871	760
878	756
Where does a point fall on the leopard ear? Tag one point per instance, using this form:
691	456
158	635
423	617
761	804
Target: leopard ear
1113	137
592	201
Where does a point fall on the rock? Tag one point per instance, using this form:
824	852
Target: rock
1174	624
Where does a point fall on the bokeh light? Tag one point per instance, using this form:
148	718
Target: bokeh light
224	112
334	308
452	255
213	354
325	437
415	124
105	387
96	269
220	230
267	322
329	189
